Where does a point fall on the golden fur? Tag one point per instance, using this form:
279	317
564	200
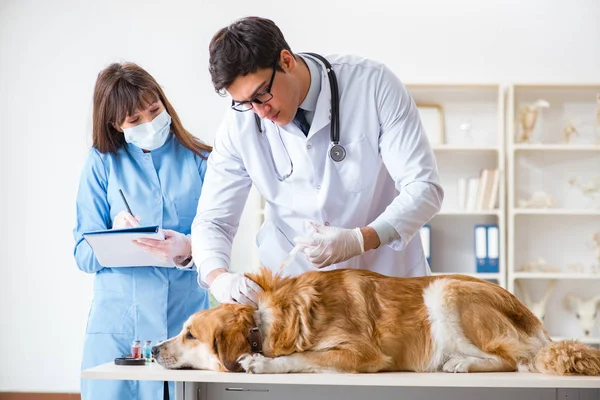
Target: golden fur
361	321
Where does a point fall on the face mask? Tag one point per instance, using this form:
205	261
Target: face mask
150	135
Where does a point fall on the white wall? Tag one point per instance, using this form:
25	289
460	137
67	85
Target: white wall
51	52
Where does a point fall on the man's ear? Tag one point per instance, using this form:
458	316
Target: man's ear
231	344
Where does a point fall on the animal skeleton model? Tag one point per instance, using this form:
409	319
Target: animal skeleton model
528	117
536	307
538	199
585	311
589	189
538	265
569	130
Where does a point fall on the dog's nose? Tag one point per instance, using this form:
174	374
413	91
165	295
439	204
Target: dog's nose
587	333
155	350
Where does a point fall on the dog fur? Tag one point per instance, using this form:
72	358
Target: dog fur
356	321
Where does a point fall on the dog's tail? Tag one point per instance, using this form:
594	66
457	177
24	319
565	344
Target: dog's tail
568	357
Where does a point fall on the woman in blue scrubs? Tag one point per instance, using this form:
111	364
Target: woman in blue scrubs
141	148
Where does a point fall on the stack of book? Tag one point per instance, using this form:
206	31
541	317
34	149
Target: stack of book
479	193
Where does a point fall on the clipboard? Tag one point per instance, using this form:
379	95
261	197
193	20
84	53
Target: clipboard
115	247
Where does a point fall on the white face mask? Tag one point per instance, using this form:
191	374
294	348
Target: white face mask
150	135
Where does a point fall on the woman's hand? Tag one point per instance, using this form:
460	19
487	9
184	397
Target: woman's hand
175	248
126	220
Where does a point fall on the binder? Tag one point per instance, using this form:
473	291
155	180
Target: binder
425	233
480	248
493	248
115	247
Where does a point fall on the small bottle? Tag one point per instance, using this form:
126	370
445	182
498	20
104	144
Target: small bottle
136	350
147	350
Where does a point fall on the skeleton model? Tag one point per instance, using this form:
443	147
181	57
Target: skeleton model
538	265
538	307
585	311
528	117
596	240
569	130
538	199
589	189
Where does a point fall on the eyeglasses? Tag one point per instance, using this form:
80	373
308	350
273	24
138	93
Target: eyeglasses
260	98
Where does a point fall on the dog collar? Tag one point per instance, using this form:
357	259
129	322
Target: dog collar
255	339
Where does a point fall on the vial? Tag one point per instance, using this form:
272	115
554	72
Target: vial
136	350
147	350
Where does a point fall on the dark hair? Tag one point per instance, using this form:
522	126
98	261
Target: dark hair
242	48
122	88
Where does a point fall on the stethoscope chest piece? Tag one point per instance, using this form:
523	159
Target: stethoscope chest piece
337	153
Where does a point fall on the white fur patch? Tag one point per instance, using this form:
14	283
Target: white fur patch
259	364
450	345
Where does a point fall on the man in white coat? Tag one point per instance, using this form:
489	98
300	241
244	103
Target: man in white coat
348	198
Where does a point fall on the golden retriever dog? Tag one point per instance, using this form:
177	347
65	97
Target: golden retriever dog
358	321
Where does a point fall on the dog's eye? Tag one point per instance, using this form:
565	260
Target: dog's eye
577	315
189	335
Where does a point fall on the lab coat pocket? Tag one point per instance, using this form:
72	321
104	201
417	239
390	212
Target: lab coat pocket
186	211
357	170
111	313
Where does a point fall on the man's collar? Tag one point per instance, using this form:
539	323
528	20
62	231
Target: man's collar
310	101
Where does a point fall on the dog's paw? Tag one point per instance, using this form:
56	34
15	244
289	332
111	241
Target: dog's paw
256	364
457	364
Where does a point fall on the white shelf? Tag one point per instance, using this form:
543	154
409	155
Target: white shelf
559	235
447	147
469	212
481	275
555	275
556	211
556	147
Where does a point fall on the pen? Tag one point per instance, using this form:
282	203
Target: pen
125	201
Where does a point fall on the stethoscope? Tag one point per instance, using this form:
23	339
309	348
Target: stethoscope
337	151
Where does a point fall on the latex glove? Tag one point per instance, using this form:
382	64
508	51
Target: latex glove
326	245
235	288
125	220
175	248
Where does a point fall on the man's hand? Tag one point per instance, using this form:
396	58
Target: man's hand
327	245
235	288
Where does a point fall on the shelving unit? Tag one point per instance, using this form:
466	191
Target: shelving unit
560	234
462	154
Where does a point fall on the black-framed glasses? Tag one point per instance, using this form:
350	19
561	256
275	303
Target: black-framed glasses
260	98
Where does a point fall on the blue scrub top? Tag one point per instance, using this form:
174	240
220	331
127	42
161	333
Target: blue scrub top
146	303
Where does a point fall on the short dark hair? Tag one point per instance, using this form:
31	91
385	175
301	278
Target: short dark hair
242	48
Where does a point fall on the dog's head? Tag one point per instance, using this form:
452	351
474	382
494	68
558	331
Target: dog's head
211	339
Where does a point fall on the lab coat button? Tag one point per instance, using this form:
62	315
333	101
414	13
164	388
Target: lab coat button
165	284
308	146
326	223
318	186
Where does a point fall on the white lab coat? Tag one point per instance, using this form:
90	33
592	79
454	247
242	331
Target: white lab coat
389	172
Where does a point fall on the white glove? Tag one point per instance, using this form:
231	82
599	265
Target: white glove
327	245
235	288
125	220
176	247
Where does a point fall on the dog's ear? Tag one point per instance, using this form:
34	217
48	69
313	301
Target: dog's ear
230	345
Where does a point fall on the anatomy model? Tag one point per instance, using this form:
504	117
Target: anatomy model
538	199
590	189
536	307
585	311
538	265
569	130
528	116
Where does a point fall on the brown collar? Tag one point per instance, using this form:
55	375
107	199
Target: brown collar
255	339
